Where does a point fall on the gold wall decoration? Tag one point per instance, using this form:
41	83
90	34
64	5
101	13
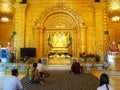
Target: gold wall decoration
84	20
60	8
60	19
58	39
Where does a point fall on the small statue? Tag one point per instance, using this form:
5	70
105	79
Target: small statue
113	47
10	52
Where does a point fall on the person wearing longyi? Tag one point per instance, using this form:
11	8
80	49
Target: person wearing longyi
75	68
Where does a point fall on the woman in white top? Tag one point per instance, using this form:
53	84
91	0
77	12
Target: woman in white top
104	83
40	68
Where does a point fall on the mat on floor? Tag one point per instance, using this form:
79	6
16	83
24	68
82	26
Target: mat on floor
62	80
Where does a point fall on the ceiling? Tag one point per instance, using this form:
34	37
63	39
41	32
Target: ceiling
7	8
113	8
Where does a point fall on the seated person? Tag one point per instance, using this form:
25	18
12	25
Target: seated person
40	68
75	68
104	83
97	57
34	75
13	83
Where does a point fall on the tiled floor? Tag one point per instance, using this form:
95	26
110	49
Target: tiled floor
114	79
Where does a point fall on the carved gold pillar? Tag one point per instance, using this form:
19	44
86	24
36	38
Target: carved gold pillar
78	41
83	39
106	33
99	28
38	42
19	20
74	42
45	42
42	41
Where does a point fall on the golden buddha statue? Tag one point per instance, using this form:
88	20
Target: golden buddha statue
59	40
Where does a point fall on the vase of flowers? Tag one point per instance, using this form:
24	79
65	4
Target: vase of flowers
87	57
83	55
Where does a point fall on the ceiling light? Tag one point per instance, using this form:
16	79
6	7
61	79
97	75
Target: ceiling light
4	19
116	18
114	5
6	8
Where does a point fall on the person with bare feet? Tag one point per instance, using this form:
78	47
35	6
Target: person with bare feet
41	69
34	75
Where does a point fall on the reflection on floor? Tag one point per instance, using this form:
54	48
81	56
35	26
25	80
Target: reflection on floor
114	80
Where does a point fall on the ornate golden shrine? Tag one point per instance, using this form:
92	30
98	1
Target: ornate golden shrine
60	25
90	23
58	39
84	20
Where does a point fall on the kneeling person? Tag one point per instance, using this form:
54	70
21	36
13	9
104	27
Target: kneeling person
35	75
41	70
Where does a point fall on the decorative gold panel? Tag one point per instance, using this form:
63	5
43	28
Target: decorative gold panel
85	20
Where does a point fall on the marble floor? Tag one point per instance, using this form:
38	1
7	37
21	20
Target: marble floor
114	79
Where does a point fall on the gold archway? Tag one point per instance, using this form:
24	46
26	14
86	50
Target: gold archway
60	19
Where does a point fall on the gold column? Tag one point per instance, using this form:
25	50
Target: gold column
45	42
19	21
38	41
99	28
78	41
83	41
41	42
106	33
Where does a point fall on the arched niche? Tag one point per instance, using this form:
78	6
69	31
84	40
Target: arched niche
60	19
